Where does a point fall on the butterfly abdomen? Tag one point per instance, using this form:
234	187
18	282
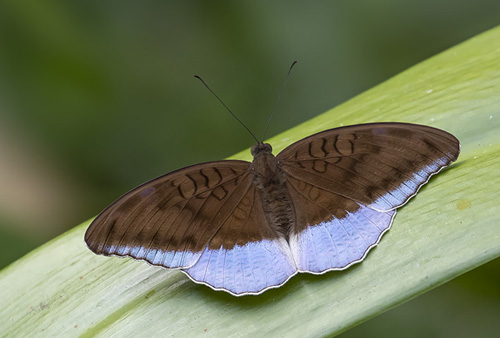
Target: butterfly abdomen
270	182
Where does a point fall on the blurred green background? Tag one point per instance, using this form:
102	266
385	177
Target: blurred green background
97	97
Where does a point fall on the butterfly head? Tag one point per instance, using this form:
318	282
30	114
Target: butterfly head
261	148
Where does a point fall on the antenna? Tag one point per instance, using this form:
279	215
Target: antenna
277	100
229	110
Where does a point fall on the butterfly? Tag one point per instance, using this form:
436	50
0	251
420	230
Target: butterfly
245	227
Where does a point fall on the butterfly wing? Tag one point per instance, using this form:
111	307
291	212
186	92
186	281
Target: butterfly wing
347	182
170	220
246	256
207	220
336	231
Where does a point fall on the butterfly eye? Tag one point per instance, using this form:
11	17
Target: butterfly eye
261	148
254	150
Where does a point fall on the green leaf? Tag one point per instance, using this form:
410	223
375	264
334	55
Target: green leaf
63	290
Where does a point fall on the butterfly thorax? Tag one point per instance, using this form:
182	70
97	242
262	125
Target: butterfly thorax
269	179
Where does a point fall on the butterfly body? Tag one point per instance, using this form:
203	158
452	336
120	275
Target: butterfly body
244	227
269	180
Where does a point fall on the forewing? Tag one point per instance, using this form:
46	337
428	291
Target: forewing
246	256
170	220
380	165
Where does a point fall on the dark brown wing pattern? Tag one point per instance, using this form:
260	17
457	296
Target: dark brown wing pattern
378	164
170	220
348	182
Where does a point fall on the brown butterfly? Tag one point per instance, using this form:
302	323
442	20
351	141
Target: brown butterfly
244	227
319	205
